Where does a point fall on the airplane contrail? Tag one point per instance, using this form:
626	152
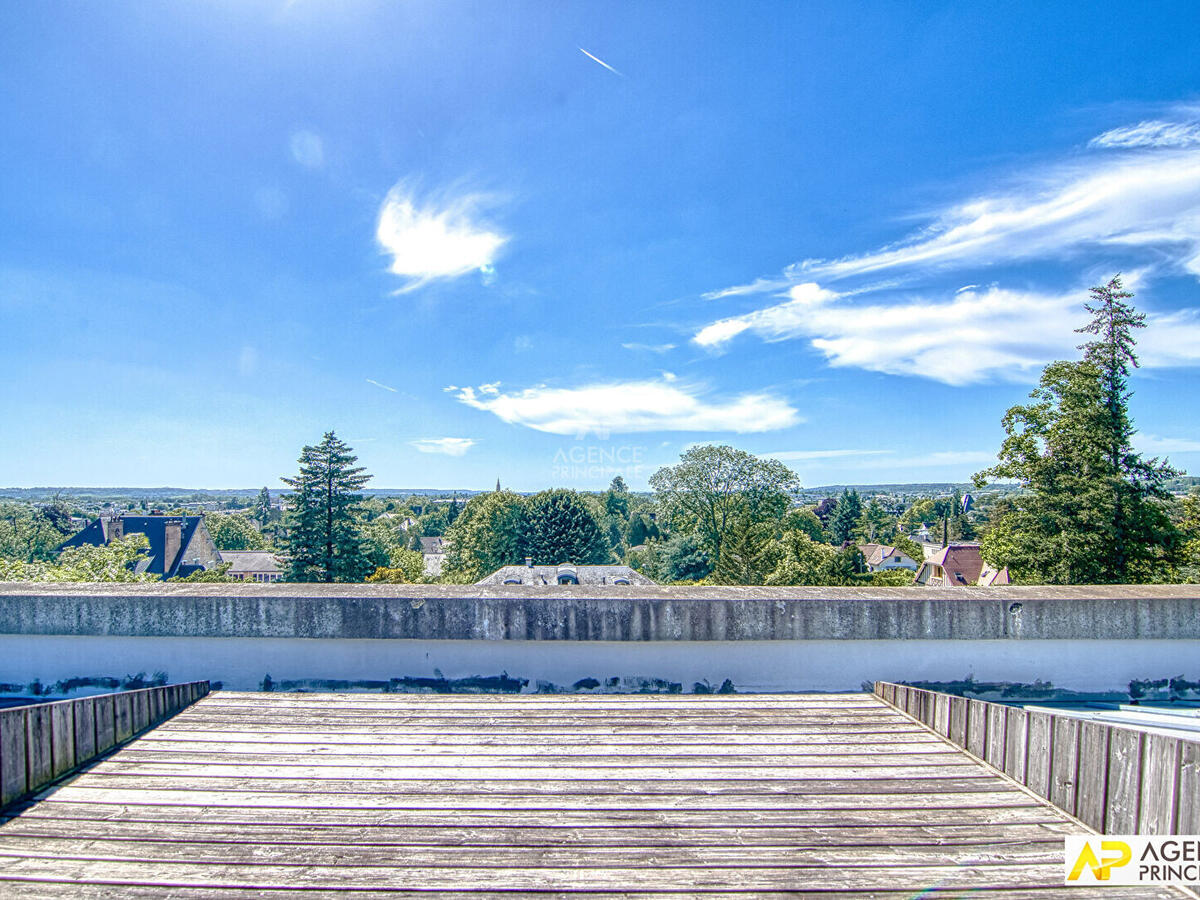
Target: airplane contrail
602	62
384	386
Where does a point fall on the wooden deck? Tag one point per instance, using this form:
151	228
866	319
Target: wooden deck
355	795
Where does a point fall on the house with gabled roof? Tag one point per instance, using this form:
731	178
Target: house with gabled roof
179	545
959	565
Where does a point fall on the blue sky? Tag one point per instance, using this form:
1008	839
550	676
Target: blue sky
544	242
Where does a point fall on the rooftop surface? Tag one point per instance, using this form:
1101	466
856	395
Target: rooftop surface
638	795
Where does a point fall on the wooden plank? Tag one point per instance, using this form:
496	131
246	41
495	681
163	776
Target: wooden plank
56	806
106	730
1091	784
1064	763
82	791
39	735
13	772
141	710
84	710
1015	743
659	775
957	731
977	726
261	833
941	714
62	747
1124	781
1188	815
20	890
543	878
1161	757
996	735
720	763
1039	729
122	716
592	857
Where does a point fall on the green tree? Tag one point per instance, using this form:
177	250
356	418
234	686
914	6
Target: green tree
684	559
616	498
488	533
233	532
28	534
802	561
844	524
876	524
323	540
909	547
1094	510
717	491
750	554
405	567
804	519
561	528
262	509
638	531
115	561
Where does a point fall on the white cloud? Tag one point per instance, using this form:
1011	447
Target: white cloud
430	240
1151	133
307	149
448	446
972	337
649	348
664	404
1148	199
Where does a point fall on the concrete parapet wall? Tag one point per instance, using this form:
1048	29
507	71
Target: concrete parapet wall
42	742
1115	779
577	613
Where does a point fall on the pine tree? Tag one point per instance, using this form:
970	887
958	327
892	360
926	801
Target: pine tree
844	523
1094	509
262	507
323	539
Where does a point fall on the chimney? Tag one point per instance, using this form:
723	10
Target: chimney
116	528
529	562
172	538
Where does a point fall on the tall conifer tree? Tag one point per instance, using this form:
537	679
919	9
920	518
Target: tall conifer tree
323	539
1093	510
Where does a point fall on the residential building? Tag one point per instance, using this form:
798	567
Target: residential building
252	565
959	565
179	545
883	557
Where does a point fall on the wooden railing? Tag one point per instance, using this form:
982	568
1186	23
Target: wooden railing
42	742
1115	779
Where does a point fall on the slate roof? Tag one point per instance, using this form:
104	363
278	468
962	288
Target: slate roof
102	530
250	562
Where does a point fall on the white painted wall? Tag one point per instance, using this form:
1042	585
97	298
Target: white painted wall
241	663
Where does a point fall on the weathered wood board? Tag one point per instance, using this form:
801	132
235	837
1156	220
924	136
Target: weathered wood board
358	796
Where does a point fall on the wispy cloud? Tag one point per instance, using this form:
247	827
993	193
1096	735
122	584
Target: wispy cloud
623	407
307	149
972	337
1147	197
601	62
649	348
447	446
436	238
379	384
1152	133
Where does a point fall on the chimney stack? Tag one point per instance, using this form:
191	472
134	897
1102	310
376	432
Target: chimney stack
529	562
172	538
